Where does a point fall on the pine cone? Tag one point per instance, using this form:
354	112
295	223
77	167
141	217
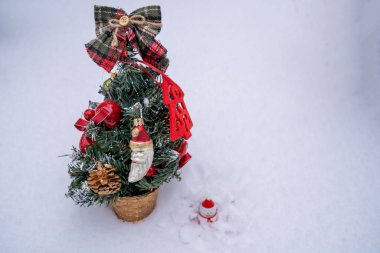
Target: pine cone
103	180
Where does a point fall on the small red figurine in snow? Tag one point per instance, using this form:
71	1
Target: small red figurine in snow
207	211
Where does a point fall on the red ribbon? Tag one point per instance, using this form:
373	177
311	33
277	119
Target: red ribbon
98	118
81	124
180	121
101	115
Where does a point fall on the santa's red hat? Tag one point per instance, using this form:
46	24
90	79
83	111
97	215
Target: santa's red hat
208	203
140	137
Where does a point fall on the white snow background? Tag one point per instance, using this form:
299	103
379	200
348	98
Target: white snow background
284	96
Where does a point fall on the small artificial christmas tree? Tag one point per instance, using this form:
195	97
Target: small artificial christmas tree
135	140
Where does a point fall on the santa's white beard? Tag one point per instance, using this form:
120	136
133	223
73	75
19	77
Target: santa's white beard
141	161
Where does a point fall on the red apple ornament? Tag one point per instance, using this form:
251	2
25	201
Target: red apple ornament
85	142
109	113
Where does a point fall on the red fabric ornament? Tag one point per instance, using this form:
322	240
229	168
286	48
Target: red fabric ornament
184	160
85	142
151	172
180	121
89	114
179	117
184	157
109	113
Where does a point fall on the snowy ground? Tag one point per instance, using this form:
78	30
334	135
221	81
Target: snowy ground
285	100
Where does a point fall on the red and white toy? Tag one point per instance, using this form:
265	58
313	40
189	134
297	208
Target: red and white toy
207	211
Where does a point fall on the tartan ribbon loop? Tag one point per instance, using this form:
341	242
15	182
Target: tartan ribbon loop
124	21
114	28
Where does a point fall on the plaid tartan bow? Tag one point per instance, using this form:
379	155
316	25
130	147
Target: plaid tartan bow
142	26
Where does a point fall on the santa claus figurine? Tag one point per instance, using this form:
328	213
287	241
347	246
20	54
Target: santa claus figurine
207	211
142	151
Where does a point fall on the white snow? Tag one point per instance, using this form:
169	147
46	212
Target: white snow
284	96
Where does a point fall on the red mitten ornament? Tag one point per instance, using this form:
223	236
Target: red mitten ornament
184	157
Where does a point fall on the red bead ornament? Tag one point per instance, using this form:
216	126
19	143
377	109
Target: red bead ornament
151	172
85	142
109	113
89	114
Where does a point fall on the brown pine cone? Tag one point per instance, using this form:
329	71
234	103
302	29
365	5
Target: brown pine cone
104	180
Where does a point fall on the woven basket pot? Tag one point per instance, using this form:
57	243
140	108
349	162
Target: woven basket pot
133	209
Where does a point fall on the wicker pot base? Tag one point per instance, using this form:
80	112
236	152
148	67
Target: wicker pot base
133	209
